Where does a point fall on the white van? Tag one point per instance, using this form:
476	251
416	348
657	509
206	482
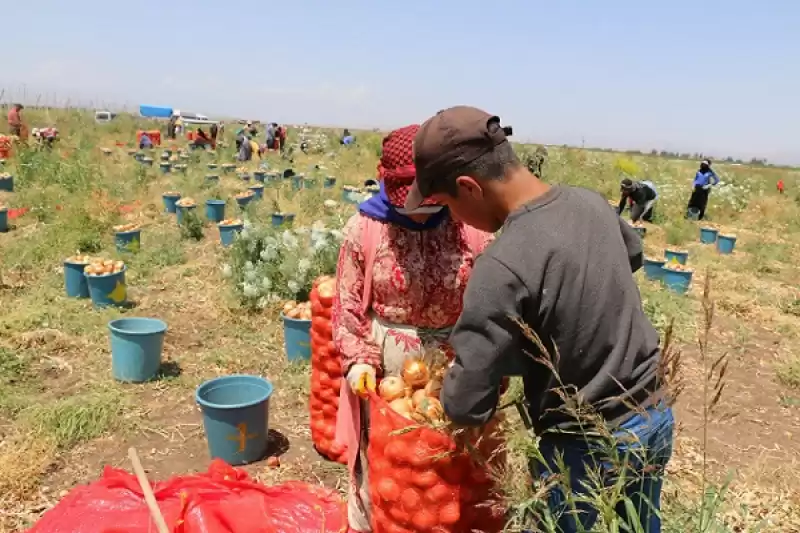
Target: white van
104	116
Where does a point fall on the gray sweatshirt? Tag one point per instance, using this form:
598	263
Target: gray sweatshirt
562	265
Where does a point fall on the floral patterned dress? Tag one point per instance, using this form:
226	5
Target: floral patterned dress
418	280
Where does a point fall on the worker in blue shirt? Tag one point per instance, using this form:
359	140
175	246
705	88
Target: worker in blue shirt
703	181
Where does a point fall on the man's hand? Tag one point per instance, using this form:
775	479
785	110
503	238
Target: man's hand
361	378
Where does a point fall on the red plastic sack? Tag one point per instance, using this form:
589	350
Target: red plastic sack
224	500
326	372
420	480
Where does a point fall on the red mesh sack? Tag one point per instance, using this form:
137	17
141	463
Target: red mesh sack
326	372
421	480
223	500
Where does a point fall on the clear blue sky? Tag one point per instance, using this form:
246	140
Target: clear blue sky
706	75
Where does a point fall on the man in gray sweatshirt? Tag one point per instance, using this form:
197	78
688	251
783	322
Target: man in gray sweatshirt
562	267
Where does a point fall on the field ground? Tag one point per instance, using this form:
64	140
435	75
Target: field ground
62	417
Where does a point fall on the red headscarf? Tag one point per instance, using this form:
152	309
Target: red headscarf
396	167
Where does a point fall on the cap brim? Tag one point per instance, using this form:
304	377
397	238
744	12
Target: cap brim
414	198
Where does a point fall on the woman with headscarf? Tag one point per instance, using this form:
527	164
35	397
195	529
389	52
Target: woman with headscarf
400	281
704	179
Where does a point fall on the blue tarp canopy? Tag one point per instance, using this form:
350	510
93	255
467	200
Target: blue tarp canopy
151	111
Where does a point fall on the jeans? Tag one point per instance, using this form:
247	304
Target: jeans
642	212
643	447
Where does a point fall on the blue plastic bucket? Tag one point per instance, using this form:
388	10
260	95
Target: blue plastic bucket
258	190
244	176
680	257
297	183
726	243
215	210
227	233
212	179
169	202
128	241
211	166
329	183
227	169
351	197
165	167
273	177
7	184
136	345
693	213
3	220
182	211
309	183
281	219
138	156
708	235
244	201
654	269
75	281
147	161
179	168
108	290
236	417
260	176
297	339
677	281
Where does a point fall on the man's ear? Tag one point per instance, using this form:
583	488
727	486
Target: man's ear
470	186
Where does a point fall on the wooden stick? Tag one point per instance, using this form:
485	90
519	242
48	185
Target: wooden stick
149	497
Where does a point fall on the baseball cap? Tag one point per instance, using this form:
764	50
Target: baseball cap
446	143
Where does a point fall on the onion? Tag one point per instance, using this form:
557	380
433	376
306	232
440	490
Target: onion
402	406
418	396
431	408
415	373
433	388
391	388
288	306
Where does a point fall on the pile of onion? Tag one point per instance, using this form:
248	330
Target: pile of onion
102	267
415	395
298	311
126	227
186	202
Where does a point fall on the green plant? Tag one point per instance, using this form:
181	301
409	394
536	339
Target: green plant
191	226
788	372
268	265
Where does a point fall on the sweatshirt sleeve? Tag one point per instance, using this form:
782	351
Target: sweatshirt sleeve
485	339
633	243
621	205
352	329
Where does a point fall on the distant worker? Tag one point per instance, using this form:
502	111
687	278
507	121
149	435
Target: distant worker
255	148
704	179
178	126
214	130
642	195
347	138
270	134
245	148
535	161
201	139
45	136
171	127
145	142
251	129
282	134
780	186
15	119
